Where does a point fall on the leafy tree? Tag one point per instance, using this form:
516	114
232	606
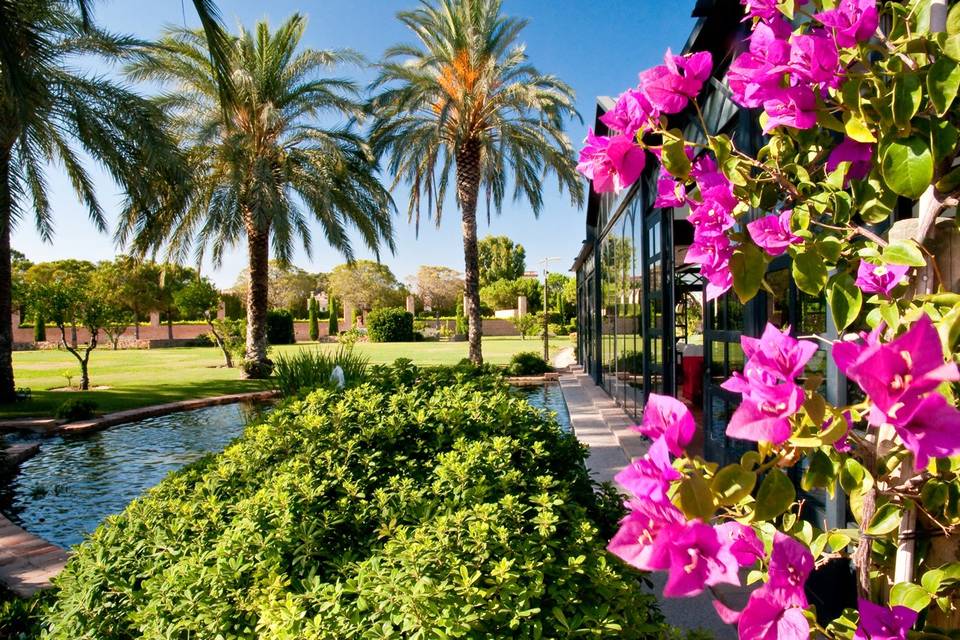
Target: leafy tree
440	288
68	305
556	287
314	324
173	277
527	325
39	328
500	259
465	102
289	286
53	113
503	294
366	284
260	160
137	284
333	323
73	273
200	298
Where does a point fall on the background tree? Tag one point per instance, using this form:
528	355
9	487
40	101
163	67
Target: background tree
503	294
366	285
333	324
68	306
260	159
314	324
289	287
138	284
465	101
173	277
199	298
49	112
557	301
440	288
500	259
72	273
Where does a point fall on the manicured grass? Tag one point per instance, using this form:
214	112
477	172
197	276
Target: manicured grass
140	378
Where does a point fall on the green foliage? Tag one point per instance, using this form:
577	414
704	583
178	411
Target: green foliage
309	369
314	327
280	329
503	294
366	284
527	363
334	323
461	325
39	328
405	505
527	324
22	618
500	259
390	325
257	369
76	409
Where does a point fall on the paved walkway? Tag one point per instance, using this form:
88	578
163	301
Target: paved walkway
603	426
27	563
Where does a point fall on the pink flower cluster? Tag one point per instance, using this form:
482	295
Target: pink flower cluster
784	72
655	535
900	379
768	385
615	162
772	233
881	279
711	217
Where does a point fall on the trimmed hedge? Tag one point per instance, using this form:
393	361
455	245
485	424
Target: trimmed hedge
405	507
390	325
280	327
527	363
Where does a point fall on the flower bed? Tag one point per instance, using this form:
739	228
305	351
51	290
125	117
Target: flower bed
448	506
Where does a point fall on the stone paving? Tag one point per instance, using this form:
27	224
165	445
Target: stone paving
604	427
27	562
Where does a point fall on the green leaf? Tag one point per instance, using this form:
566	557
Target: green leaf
858	129
907	166
732	484
943	82
809	272
953	20
674	157
886	519
845	300
876	201
819	473
903	252
696	499
931	581
950	182
775	496
853	476
907	98
838	541
747	266
909	595
943	139
951	47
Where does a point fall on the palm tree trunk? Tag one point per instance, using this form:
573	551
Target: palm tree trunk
7	387
468	188
258	251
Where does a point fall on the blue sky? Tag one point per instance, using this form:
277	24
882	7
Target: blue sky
596	46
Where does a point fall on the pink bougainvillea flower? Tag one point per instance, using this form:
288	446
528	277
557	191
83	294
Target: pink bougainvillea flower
767	618
882	623
695	559
858	154
897	375
631	113
744	544
764	416
612	163
713	255
791	107
667	418
851	22
711	215
633	542
757	73
790	565
762	9
932	430
882	279
670	192
841	445
777	352
671	85
814	59
650	476
772	233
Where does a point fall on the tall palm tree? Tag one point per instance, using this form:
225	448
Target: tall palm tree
260	157
466	100
49	112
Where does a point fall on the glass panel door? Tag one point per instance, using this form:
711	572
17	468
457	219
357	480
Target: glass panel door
657	316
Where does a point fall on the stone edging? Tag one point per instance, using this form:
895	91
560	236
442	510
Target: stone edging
524	381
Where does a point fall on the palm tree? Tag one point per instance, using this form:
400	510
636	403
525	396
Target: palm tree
49	112
259	157
466	98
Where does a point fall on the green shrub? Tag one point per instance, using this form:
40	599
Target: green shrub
39	328
314	323
76	409
390	325
22	618
406	507
333	325
257	370
309	369
280	327
527	363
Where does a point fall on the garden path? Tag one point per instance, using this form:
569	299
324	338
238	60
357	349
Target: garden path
27	562
599	423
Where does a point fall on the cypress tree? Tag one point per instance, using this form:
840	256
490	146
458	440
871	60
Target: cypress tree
334	326
39	329
314	327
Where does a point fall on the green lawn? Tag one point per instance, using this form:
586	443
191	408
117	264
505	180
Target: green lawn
144	377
